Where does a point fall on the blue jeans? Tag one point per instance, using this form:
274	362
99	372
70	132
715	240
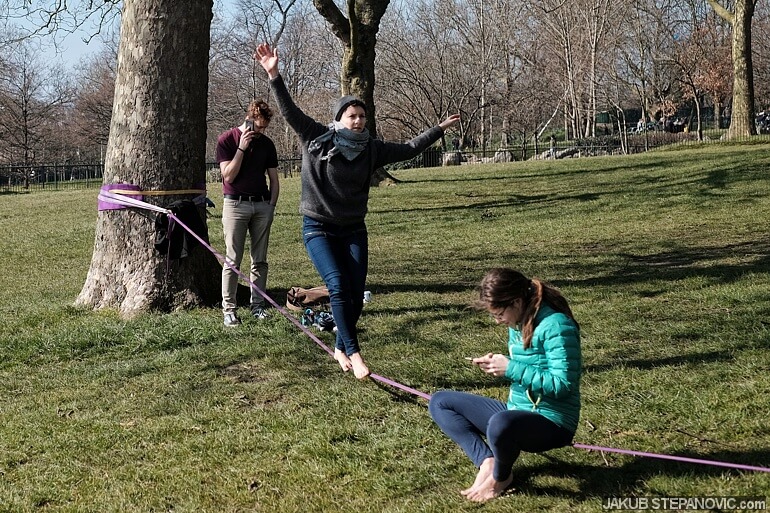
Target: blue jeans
468	419
340	254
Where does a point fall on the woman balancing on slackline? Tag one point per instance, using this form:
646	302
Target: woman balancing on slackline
337	165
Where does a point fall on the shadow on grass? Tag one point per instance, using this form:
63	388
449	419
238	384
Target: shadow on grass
481	203
260	365
510	172
378	289
638	166
671	265
243	294
639	176
628	478
613	270
648	364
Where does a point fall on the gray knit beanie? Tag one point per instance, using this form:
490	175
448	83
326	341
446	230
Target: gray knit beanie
345	102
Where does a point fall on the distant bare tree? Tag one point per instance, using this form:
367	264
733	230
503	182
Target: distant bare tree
235	80
56	18
92	106
234	42
424	71
761	52
638	71
44	24
596	17
32	95
311	58
562	31
703	60
477	23
522	78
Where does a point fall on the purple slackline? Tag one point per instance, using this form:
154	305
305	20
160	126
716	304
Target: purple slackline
270	300
108	205
423	395
400	386
671	457
427	397
305	330
105	204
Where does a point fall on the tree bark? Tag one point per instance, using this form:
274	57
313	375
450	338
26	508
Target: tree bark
742	119
157	141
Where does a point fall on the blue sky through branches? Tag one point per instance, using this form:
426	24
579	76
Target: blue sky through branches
70	49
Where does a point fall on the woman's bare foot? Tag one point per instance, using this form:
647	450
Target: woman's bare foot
485	470
489	489
342	359
359	367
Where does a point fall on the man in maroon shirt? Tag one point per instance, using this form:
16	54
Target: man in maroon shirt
248	160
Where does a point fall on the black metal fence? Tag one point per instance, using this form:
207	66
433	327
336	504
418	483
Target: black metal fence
28	178
21	178
614	144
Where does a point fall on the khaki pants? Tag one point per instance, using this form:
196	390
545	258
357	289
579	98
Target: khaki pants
239	217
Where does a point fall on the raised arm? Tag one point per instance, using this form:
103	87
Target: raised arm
305	126
267	58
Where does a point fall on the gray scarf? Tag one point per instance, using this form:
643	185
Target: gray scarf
347	142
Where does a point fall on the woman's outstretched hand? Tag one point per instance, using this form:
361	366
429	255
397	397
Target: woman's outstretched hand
449	122
267	58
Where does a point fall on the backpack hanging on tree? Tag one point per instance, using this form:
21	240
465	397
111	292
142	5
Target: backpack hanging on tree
173	240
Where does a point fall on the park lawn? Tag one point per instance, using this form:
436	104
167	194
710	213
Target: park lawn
665	258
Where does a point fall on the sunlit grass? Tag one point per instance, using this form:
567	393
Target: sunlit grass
665	257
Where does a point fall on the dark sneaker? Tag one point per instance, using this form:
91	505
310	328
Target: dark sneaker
259	313
308	317
232	320
324	321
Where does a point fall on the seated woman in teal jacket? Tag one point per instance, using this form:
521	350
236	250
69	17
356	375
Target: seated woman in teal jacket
543	365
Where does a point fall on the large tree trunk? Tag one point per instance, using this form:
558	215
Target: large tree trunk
157	141
358	34
742	121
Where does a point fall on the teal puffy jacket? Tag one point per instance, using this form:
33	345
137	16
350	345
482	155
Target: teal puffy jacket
545	378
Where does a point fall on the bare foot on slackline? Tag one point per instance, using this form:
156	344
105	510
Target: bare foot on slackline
359	367
485	470
342	359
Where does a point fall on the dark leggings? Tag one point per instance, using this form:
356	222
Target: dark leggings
468	419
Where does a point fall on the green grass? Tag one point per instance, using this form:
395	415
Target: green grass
664	256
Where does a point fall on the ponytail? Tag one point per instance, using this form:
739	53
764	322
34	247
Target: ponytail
541	291
532	302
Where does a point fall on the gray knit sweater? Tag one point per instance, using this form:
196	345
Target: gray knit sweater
337	190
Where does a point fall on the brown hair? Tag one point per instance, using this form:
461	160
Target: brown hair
501	286
259	109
